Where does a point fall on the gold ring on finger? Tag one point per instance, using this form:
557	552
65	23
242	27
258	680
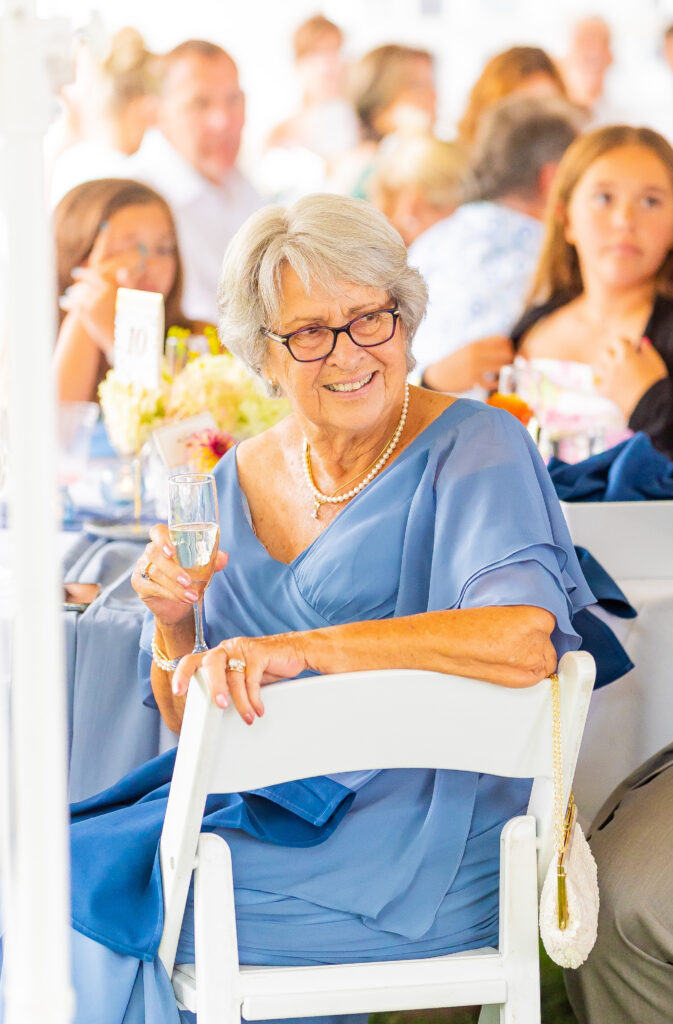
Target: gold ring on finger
236	665
146	572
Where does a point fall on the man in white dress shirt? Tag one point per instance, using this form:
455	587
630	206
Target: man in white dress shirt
190	158
478	263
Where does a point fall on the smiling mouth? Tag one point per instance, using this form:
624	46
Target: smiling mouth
354	385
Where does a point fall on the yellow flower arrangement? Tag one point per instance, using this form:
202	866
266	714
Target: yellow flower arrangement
223	386
219	384
131	412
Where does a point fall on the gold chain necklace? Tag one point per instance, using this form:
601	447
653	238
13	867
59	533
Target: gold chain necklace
336	499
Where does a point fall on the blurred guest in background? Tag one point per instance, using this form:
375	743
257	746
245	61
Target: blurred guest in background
668	46
191	160
109	233
655	97
325	122
479	262
418	180
603	293
301	152
525	70
393	90
585	66
108	107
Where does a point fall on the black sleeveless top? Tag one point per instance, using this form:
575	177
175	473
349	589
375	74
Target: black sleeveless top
654	412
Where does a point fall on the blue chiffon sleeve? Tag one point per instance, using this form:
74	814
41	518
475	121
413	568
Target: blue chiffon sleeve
500	535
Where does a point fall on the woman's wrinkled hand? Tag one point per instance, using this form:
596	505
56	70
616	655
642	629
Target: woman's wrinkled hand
236	669
170	592
624	371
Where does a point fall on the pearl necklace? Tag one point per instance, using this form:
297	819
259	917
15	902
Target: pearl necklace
336	499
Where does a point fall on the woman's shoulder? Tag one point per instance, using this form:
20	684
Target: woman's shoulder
426	406
474	427
260	457
485	448
533	315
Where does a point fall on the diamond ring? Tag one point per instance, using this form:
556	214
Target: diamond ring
146	572
235	665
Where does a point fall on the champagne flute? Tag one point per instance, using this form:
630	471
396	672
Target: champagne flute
194	532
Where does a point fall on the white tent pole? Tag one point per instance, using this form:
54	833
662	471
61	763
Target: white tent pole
38	987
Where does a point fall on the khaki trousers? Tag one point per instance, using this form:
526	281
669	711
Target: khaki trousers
628	977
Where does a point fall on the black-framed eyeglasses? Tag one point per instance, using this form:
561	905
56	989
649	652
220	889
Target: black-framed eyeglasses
309	344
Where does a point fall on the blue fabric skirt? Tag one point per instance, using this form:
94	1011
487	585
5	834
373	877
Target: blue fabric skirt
280	929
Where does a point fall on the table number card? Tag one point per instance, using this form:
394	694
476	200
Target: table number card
172	440
139	337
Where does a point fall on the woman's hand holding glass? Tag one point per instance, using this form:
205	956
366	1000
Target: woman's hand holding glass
169	590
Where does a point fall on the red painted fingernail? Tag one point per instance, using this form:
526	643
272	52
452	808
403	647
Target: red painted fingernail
248	717
221	701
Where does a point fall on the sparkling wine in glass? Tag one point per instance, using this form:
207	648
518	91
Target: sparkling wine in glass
194	532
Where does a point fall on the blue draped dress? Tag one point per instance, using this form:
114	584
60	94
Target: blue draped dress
464	517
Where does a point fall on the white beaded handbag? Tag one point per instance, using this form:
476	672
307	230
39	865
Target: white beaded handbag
569	900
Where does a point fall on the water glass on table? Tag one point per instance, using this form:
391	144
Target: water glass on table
194	532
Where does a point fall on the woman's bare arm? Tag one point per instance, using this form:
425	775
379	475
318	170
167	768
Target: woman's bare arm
78	362
507	646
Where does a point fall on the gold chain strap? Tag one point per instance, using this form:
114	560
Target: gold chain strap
563	820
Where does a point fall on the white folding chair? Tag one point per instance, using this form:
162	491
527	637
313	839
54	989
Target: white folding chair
364	720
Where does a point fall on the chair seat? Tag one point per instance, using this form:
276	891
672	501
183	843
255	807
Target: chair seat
459	979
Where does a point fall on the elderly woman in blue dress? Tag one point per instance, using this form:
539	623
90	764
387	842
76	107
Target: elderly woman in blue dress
377	526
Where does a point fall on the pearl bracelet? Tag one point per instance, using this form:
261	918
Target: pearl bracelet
162	660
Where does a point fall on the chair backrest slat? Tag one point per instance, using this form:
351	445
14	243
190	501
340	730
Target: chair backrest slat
394	719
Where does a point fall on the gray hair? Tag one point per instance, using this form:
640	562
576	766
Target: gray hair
516	138
325	239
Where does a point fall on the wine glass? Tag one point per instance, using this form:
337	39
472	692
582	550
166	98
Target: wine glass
194	532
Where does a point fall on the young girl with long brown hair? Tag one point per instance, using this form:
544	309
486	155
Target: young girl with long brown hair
603	291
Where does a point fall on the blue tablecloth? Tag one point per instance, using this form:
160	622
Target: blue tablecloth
111	731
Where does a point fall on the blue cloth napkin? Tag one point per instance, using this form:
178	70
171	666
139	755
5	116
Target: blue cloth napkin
116	881
631	471
611	659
